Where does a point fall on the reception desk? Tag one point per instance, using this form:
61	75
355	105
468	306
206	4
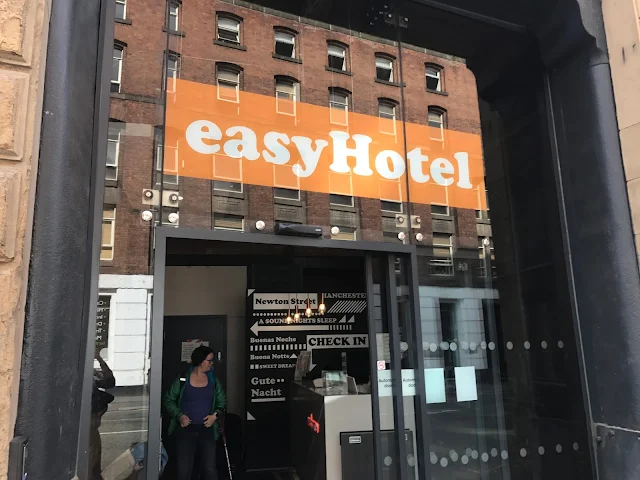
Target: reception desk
324	426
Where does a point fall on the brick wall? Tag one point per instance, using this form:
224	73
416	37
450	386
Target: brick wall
140	98
622	25
22	47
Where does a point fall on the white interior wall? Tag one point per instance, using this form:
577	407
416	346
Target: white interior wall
215	291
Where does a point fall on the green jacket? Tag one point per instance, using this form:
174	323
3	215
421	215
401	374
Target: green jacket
173	401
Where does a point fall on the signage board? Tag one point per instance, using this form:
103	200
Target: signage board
217	133
276	346
102	322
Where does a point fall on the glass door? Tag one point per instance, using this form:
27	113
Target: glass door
399	379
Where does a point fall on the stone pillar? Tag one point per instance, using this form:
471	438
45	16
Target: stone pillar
22	50
622	25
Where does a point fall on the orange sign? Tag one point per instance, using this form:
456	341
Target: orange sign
221	133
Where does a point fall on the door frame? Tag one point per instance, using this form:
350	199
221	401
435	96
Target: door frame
387	252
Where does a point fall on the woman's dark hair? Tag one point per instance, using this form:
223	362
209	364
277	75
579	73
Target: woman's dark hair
199	354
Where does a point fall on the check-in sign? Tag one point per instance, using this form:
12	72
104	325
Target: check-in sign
218	133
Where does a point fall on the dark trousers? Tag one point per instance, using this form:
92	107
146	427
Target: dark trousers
192	440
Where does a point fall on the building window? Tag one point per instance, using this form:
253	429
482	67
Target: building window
434	78
384	68
113	150
116	71
108	233
482	250
173	67
339	106
173	23
442	261
285	44
391	237
166	161
286	95
387	115
223	221
228	29
341	200
121	9
228	79
440	210
436	121
225	186
482	215
337	56
345	233
286	194
391	206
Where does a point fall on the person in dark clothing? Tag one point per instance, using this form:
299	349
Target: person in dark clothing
194	403
100	399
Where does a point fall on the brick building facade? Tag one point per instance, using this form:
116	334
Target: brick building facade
189	34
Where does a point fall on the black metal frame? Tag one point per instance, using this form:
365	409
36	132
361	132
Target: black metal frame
388	252
588	165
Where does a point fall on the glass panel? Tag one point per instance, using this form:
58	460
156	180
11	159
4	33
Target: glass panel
211	138
337	57
174	17
121	8
384	69
434	79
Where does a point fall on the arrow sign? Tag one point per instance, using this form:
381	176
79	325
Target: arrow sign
256	329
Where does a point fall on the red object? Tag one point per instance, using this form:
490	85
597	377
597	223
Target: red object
313	425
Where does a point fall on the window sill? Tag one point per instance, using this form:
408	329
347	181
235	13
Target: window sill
287	59
391	84
173	32
336	70
123	21
436	92
136	98
235	46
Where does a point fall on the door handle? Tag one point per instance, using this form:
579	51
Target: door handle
219	356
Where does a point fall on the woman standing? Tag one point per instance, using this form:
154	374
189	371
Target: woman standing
194	403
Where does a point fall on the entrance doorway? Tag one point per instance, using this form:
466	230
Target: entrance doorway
344	307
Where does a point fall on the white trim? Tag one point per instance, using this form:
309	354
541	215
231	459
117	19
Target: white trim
384	63
386	117
228	28
166	177
339	52
120	60
343	106
176	6
286	198
294	86
124	4
230	84
286	38
437	75
110	245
